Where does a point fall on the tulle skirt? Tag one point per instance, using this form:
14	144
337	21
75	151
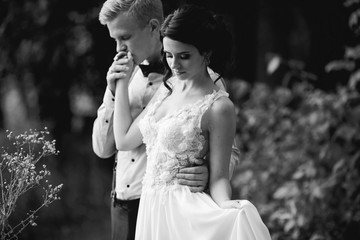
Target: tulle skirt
182	215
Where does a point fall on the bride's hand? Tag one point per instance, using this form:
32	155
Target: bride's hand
231	204
121	69
128	63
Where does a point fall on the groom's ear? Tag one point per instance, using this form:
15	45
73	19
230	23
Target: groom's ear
154	24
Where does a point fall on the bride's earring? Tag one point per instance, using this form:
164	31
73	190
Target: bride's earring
207	60
207	56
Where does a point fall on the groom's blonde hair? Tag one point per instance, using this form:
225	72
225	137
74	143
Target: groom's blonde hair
143	10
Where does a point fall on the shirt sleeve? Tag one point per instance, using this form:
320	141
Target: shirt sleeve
234	159
103	141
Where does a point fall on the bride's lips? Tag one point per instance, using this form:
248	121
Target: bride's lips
177	72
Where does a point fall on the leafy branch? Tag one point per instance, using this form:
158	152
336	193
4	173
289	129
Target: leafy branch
19	173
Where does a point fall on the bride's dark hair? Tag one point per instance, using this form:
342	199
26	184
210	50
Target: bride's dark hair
204	30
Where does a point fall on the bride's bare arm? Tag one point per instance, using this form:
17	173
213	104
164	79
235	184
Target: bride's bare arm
126	131
221	127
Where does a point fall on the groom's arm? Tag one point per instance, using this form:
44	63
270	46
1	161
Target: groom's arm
196	177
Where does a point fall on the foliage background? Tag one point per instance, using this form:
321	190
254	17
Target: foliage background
300	143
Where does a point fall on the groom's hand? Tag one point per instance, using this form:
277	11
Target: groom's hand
196	177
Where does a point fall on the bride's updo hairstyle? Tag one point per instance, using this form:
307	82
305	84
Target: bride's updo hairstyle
204	30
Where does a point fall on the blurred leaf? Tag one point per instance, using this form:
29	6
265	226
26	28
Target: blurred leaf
345	131
354	21
289	225
286	191
317	236
354	79
281	215
340	65
338	165
352	53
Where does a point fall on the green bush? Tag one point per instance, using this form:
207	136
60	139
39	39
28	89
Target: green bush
300	152
300	159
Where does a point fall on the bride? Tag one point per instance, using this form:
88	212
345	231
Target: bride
189	117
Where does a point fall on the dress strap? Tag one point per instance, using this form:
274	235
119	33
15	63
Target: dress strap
208	102
159	97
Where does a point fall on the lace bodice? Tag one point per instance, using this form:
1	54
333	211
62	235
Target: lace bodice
174	141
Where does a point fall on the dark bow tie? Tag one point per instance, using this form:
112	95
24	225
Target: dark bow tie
152	68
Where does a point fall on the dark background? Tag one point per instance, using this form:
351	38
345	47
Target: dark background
54	56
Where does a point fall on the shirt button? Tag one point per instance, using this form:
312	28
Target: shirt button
106	121
133	160
127	186
150	83
143	107
113	99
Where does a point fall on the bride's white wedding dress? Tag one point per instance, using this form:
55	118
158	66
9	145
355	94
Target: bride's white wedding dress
169	211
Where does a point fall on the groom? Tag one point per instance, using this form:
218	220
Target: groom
135	25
